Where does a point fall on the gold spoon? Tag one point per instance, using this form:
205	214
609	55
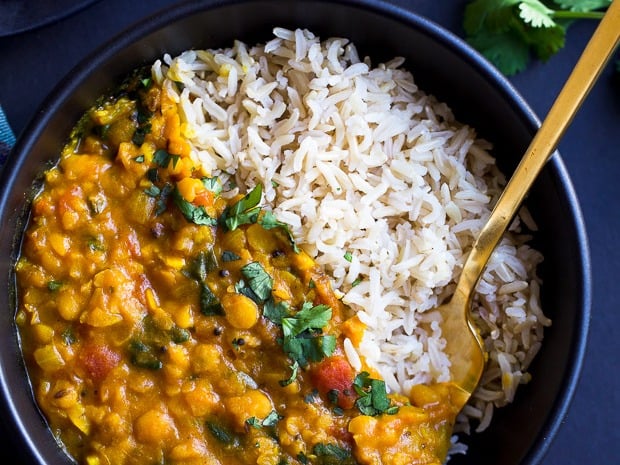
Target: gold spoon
465	348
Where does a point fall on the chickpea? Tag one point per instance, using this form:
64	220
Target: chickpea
241	311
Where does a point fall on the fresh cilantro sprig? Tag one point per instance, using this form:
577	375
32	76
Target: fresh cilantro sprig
259	281
248	210
373	399
244	211
269	221
303	340
192	213
509	32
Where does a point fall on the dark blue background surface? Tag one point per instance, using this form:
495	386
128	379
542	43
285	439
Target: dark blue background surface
32	63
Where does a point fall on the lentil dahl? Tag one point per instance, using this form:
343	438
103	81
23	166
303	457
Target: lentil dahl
162	323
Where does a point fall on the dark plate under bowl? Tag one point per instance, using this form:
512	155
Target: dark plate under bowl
442	64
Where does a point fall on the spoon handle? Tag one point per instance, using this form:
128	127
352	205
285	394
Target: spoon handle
590	64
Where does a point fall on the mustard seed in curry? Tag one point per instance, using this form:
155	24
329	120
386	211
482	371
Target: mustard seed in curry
164	323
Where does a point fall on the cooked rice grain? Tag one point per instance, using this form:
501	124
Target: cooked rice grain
357	159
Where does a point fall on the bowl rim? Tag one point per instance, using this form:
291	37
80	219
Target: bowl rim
67	86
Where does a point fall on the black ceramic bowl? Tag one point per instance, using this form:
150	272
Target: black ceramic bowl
443	65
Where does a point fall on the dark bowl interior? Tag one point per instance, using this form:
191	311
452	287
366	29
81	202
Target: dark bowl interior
443	65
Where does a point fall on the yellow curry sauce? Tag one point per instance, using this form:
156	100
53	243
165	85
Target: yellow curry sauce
163	324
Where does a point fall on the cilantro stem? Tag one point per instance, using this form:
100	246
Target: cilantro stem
561	14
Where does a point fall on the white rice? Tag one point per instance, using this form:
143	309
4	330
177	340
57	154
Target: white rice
357	159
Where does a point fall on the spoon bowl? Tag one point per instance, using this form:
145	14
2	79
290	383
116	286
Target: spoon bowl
464	345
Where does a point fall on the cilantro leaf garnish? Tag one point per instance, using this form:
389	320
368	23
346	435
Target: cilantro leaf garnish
309	317
301	341
270	420
194	214
160	195
242	288
508	31
269	221
140	133
212	184
244	211
275	312
259	280
54	285
162	158
294	369
307	348
373	399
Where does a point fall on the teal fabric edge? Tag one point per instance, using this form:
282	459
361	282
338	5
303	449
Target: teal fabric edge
7	138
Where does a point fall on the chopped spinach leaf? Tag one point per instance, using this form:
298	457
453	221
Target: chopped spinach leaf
221	433
54	285
68	336
228	256
209	303
95	245
201	265
143	356
179	335
331	453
